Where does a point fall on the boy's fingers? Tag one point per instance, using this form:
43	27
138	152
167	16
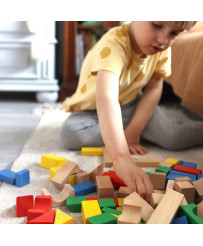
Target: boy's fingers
141	190
149	189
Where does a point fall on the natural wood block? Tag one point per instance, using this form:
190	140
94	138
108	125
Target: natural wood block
82	177
184	202
155	199
104	186
62	176
200	210
170	184
166	164
98	171
123	192
146	209
186	188
180	179
158	180
159	191
148	162
198	184
167	208
111	170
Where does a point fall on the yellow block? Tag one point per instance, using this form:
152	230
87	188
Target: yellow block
171	160
53	171
71	180
89	209
120	202
119	208
48	161
91	151
62	218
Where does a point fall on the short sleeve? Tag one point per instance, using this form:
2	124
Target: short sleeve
163	67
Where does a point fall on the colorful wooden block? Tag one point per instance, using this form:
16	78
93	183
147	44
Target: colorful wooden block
34	213
120	201
47	218
185	188
105	218
53	171
158	180
180	220
191	212
82	177
174	174
155	199
91	151
200	209
22	178
48	161
89	209
8	176
43	203
62	218
62	176
184	169
188	164
74	203
172	160
23	204
163	169
200	176
111	211
116	181
167	208
123	192
106	202
71	179
84	188
96	198
104	186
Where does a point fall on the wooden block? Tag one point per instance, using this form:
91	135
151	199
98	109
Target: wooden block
120	201
23	204
43	203
8	176
165	164
84	188
174	174
111	211
105	218
119	208
116	181
158	180
53	171
185	169
91	151
159	191
171	160
191	212
155	199
188	164
163	169
47	218
48	161
89	209
123	192
74	203
184	202
82	177
97	198
111	170
180	220
62	176
185	188
180	179
106	202
198	184
146	209
148	162
170	184
34	213
71	179
167	208
131	212
200	210
104	186
98	171
107	159
22	178
62	218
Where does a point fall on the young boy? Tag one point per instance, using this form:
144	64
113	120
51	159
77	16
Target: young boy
116	100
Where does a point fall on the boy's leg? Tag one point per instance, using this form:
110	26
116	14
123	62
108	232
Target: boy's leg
171	134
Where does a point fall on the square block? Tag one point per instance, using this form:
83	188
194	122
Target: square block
158	180
74	203
155	199
23	204
185	188
22	178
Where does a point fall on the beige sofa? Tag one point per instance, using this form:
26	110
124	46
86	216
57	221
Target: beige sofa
187	69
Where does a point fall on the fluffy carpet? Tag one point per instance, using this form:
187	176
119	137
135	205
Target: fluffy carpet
45	139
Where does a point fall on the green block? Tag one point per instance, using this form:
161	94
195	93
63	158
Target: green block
191	213
107	202
104	218
191	202
148	173
163	169
74	203
111	211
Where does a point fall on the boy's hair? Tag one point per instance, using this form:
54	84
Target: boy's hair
184	24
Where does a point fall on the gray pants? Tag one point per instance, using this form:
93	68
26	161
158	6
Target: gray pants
81	129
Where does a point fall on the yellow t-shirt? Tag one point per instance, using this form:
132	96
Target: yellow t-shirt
113	52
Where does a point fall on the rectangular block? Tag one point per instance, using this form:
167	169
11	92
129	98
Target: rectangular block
8	176
43	203
123	192
158	180
111	211
185	188
166	164
180	220
163	169
84	188
89	209
174	174
190	170
116	181
105	218
167	208
188	164
148	162
82	177
23	204
74	203
22	178
106	202
48	161
91	151
104	186
172	160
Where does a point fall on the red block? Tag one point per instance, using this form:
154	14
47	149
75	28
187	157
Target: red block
96	198
33	213
189	170
47	218
116	181
43	203
23	204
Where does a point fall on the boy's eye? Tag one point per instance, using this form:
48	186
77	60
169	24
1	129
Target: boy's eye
174	33
156	25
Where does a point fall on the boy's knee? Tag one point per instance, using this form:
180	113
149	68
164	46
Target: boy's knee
174	143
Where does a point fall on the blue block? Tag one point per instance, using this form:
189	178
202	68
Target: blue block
22	178
84	188
200	176
8	176
175	174
189	164
181	162
180	220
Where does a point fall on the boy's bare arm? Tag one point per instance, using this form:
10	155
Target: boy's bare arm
111	126
143	113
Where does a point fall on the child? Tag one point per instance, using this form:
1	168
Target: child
119	88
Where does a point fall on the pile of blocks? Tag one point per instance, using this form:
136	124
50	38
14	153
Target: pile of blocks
178	189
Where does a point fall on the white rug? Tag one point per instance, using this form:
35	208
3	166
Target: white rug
45	139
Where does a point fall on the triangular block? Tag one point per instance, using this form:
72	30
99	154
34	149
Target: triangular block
62	218
47	218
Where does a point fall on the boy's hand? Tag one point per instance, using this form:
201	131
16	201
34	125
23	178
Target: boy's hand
134	177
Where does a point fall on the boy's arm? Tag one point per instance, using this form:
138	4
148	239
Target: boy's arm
111	126
144	111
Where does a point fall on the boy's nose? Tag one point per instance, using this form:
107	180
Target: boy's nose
163	40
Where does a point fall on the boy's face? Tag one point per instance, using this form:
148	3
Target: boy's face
150	37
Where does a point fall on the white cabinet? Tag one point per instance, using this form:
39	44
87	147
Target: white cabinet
23	65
